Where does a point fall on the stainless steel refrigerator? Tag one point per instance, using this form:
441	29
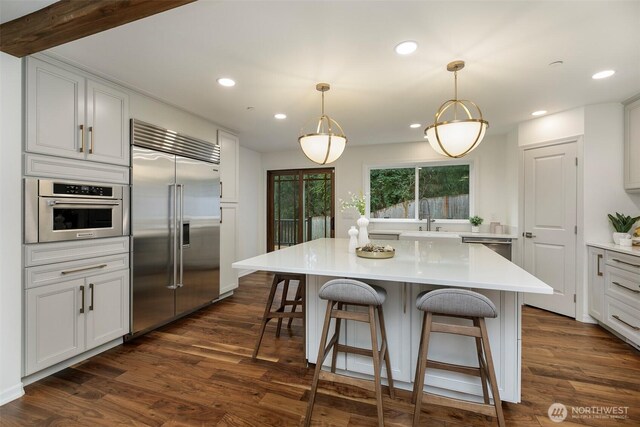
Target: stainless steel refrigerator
175	225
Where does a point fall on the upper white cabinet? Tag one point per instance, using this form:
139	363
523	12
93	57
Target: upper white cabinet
229	174
72	116
632	146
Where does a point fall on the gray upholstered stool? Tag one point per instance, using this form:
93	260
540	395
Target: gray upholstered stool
339	294
469	305
281	312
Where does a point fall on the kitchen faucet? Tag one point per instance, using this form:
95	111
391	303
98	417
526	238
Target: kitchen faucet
429	221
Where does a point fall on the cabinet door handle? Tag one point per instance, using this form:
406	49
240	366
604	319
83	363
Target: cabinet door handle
65	272
629	289
404	298
91	303
220	215
626	263
82	138
598	269
82	292
635	328
221	189
90	139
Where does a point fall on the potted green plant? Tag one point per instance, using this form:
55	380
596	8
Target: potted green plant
475	223
622	224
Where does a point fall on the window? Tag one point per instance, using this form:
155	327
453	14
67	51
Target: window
427	191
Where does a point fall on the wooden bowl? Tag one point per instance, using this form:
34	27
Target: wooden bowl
375	255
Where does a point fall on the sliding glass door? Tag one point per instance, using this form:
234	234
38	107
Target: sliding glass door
300	206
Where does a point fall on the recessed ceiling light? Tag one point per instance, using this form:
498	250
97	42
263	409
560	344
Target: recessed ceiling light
415	125
406	48
280	116
539	112
603	74
226	82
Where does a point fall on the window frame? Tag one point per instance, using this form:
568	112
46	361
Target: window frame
366	179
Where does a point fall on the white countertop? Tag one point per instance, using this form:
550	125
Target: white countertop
438	262
634	250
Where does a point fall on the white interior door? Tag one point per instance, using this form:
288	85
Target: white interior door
550	198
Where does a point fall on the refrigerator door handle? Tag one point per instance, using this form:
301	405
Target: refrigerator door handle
174	285
180	283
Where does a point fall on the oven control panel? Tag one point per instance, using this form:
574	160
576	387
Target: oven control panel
82	190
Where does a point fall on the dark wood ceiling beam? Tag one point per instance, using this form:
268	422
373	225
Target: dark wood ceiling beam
69	20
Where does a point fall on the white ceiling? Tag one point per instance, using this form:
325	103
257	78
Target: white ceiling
278	50
12	9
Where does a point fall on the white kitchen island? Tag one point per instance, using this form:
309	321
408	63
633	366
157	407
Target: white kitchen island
417	266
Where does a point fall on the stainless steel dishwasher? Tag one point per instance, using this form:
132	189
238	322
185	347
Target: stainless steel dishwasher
496	244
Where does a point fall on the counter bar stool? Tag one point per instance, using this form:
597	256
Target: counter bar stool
340	293
281	312
469	305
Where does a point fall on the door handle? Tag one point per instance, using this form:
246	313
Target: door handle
82	292
529	235
90	139
91	302
174	285
598	267
82	138
180	283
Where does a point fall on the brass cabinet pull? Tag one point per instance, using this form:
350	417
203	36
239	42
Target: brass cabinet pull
626	263
599	258
82	138
629	289
91	303
82	306
82	269
635	328
90	139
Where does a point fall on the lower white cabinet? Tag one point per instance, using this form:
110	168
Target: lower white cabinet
73	315
228	249
596	282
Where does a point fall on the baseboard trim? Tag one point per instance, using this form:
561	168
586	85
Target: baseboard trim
12	393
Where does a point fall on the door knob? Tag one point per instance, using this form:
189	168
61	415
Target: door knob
529	235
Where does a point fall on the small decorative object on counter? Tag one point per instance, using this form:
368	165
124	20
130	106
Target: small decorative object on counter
353	239
492	227
636	237
622	224
359	203
475	223
375	251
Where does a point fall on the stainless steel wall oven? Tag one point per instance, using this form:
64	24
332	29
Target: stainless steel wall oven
63	210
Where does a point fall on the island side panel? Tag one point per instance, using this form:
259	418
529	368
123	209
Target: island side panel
404	322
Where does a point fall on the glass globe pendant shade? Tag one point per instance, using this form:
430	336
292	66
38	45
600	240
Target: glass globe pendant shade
327	141
455	131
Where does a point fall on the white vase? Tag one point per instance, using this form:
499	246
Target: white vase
618	236
353	239
363	236
475	228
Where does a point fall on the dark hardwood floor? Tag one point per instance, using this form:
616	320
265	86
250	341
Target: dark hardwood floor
198	371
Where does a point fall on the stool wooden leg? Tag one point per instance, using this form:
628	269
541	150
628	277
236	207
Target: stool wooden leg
319	360
387	360
482	365
297	298
265	316
376	364
283	306
492	373
418	385
334	355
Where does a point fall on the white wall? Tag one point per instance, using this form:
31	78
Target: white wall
10	237
489	164
251	186
552	127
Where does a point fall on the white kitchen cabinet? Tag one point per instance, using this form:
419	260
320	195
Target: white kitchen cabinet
74	314
632	146
229	171
71	115
107	307
596	282
228	247
54	323
396	309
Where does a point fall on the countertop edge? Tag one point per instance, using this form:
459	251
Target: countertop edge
633	251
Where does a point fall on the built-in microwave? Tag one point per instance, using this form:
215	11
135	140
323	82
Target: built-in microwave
57	210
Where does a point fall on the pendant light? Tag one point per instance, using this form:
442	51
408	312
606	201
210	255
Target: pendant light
326	143
459	132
